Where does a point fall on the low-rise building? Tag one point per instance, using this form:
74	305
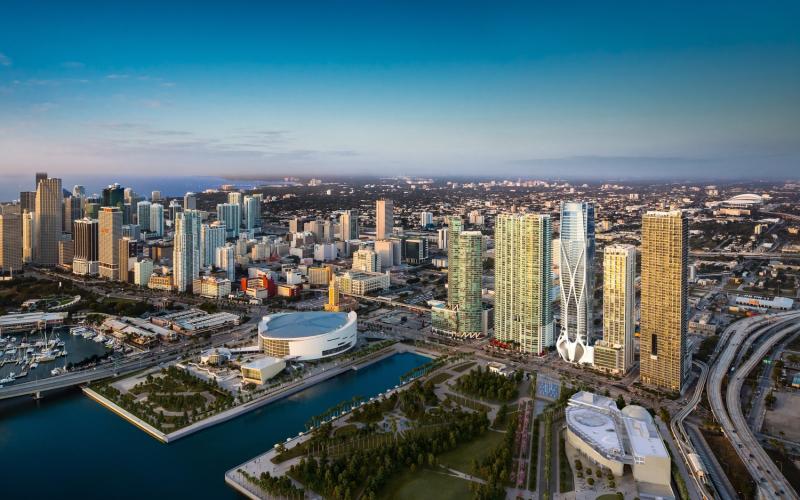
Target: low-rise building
211	287
26	322
160	282
262	369
361	283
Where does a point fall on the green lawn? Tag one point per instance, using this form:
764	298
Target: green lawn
464	367
462	456
608	496
439	378
422	483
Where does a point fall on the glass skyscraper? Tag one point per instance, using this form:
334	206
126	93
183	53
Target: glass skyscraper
577	281
523	313
663	322
463	314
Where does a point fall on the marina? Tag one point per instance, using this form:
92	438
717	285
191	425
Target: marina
44	354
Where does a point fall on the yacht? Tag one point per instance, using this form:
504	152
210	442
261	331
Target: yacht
9	378
34	365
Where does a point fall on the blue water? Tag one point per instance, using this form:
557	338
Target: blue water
70	447
169	186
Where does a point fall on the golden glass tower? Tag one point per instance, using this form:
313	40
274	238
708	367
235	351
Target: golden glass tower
665	253
523	313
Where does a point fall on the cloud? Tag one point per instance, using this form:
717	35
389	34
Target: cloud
4	60
117	76
72	65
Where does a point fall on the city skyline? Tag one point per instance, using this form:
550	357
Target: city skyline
527	89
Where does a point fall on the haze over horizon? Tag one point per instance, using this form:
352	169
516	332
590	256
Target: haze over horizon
453	88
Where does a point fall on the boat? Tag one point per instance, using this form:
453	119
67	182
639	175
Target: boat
34	365
44	357
58	371
100	338
9	378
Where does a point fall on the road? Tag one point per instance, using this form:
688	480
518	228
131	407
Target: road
119	367
738	337
683	440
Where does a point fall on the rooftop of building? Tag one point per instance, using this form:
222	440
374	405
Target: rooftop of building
301	324
262	362
621	435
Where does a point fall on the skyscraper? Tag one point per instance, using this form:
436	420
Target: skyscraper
40	176
174	209
463	314
10	248
155	196
72	212
225	259
384	219
425	219
252	213
230	215
190	201
114	196
157	219
348	222
29	236
615	352
577	281
49	219
109	234
143	215
27	201
87	253
186	252
211	237
664	284
523	312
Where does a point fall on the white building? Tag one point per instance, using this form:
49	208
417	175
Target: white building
262	369
366	260
324	252
614	439
211	237
307	336
576	280
225	259
359	283
157	219
142	271
425	219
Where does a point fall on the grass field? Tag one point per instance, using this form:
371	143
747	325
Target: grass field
439	378
461	457
422	484
464	367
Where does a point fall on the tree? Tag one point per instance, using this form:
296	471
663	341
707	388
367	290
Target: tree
620	402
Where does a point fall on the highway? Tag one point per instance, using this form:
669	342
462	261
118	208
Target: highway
736	339
685	443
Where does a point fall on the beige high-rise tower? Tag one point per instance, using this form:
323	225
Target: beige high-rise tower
662	346
523	313
615	352
29	235
49	219
110	232
10	243
384	219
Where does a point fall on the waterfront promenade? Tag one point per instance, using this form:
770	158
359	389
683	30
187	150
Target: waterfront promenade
267	398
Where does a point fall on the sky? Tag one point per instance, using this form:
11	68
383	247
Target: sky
616	90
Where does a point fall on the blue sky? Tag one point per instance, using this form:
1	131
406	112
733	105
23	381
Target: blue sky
595	89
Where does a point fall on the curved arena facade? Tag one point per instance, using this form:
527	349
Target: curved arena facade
307	336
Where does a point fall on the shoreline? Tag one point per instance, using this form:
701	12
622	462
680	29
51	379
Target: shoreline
254	404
